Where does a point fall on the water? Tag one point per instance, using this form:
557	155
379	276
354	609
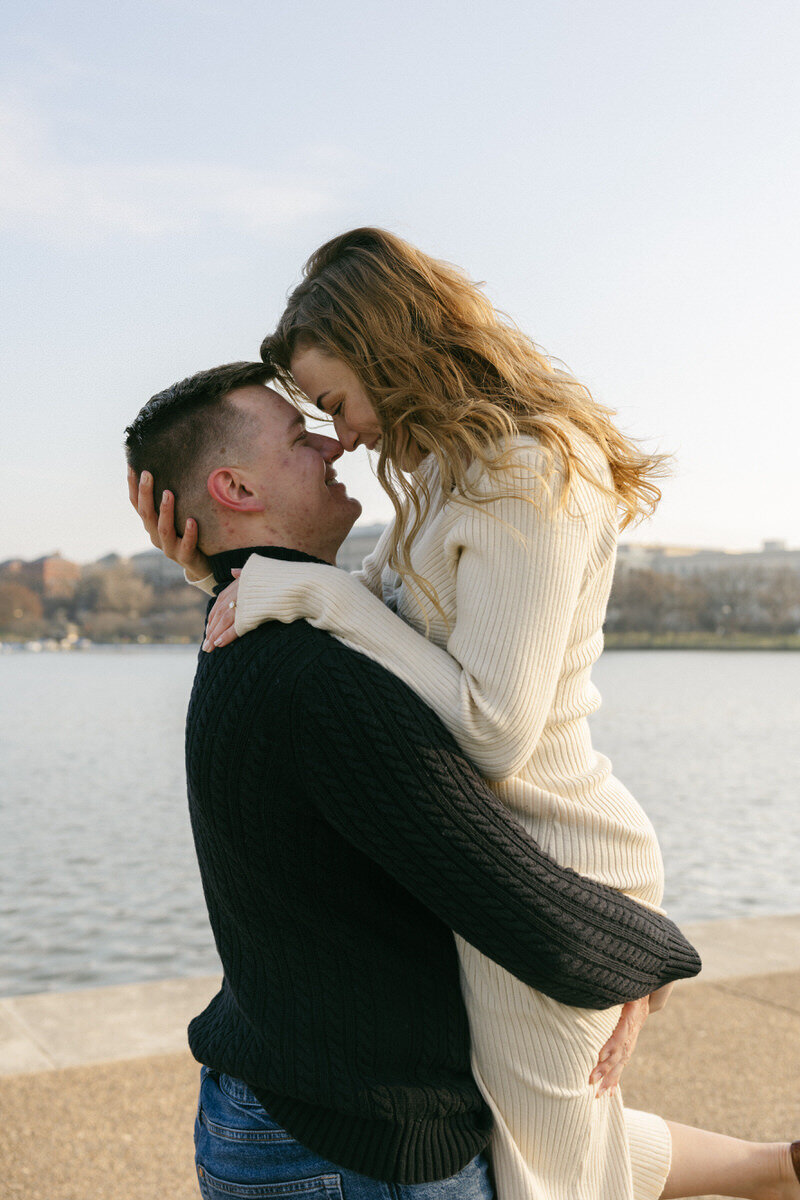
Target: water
707	742
99	881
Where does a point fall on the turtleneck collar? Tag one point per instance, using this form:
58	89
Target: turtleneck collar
223	563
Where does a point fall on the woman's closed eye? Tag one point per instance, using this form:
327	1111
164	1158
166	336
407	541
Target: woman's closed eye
334	406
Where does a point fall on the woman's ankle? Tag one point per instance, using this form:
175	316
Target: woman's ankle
786	1185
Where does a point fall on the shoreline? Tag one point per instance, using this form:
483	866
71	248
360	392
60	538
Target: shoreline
50	1031
612	641
700	641
107	1106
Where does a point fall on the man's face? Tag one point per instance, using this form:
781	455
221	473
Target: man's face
290	471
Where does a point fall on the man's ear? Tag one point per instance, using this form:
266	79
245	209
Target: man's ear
227	488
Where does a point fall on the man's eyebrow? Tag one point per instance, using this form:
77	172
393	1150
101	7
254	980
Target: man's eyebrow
297	419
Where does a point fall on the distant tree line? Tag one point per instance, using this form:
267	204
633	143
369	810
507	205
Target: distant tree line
722	602
106	602
113	600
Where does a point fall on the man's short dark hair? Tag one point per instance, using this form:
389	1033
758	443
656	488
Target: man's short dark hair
178	431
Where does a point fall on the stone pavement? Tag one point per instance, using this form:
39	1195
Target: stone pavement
98	1095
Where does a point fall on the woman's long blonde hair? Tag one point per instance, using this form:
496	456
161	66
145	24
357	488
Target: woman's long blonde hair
446	370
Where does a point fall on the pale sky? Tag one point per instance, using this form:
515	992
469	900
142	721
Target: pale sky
622	175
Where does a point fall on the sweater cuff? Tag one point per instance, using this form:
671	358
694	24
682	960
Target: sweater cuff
206	584
265	592
273	590
683	958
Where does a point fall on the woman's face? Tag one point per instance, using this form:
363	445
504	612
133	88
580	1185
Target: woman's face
334	388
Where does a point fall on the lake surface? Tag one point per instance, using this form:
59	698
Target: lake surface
99	880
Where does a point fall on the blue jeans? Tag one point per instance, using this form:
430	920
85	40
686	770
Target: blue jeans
241	1152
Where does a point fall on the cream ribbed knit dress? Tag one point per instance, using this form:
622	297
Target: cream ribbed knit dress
524	589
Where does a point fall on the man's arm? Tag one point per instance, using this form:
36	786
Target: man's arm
389	777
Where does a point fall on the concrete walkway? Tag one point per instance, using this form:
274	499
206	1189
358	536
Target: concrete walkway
99	1090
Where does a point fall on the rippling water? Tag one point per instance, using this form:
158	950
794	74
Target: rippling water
99	881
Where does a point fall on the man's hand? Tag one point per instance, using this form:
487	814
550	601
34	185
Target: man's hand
220	628
618	1049
161	526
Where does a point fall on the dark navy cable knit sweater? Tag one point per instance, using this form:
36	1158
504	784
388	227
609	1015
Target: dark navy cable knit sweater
342	836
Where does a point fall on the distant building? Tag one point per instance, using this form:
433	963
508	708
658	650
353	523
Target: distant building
156	568
684	561
51	576
688	562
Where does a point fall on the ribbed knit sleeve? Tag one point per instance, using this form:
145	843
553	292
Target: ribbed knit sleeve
518	566
396	787
206	584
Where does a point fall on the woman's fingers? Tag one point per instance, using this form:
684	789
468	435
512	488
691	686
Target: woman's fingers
187	545
225	638
161	526
190	556
220	621
146	508
133	488
222	604
220	629
168	538
220	633
617	1051
611	1079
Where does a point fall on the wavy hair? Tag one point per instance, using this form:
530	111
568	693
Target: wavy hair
447	371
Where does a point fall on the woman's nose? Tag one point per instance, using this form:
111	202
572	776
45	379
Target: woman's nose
347	437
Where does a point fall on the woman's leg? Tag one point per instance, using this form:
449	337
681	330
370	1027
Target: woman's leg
705	1163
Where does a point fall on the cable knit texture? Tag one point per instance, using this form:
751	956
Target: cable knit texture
341	836
524	587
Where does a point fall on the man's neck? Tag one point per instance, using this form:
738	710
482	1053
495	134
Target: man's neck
224	561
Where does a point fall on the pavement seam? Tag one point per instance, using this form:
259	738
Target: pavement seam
743	995
7	1008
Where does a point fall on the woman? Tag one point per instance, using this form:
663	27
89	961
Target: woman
487	596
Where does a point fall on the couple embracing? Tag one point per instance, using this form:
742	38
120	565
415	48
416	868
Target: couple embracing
436	908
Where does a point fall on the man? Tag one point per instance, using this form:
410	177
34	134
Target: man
341	837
